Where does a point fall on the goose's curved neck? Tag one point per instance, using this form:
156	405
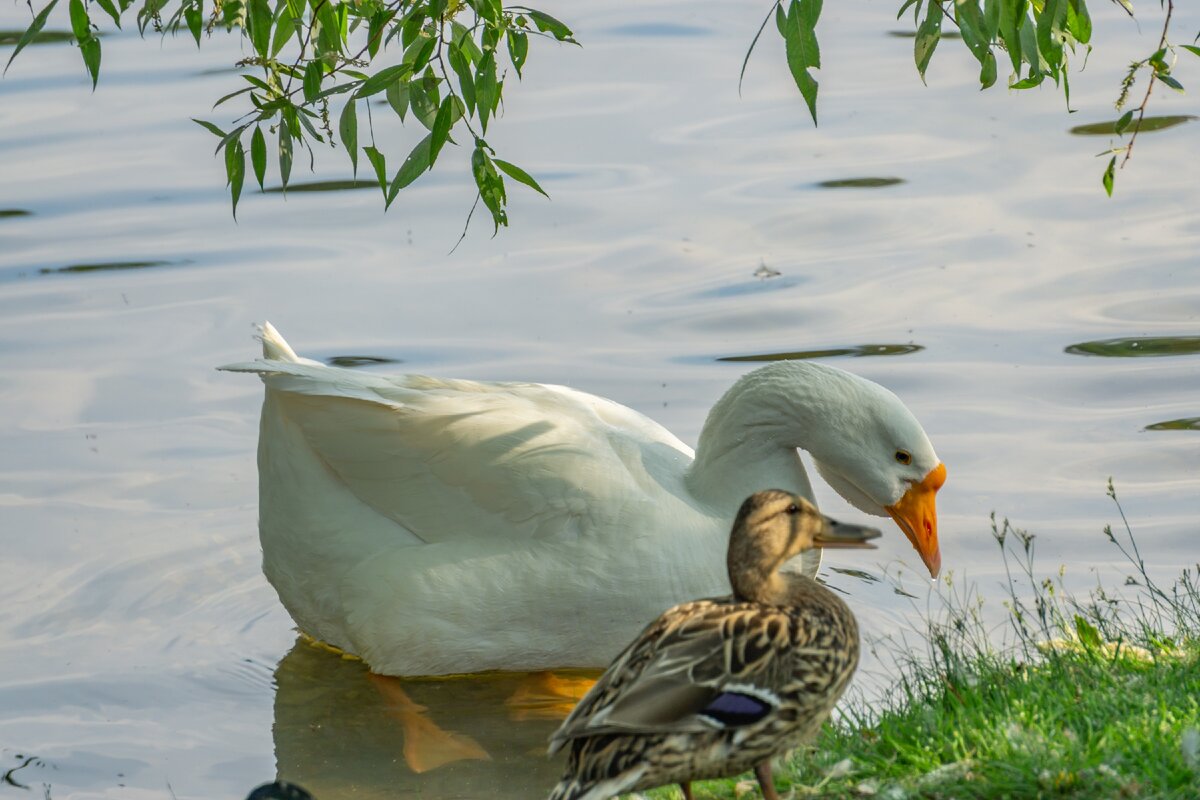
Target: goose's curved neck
750	438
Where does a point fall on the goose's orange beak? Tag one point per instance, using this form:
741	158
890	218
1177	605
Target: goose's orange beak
916	514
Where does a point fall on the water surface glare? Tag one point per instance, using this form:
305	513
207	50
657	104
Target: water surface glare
142	653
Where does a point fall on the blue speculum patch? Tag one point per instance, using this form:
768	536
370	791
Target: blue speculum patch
733	709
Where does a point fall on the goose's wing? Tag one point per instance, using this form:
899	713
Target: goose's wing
701	666
450	458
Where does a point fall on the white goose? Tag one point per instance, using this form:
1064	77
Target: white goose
438	526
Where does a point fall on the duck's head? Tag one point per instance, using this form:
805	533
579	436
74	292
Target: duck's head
774	526
883	464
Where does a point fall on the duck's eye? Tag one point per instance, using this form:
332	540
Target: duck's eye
793	509
904	457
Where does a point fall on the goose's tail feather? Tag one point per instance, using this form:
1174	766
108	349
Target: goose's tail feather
275	347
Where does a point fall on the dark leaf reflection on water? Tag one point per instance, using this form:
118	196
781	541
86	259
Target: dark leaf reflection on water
857	351
1186	424
359	361
1138	347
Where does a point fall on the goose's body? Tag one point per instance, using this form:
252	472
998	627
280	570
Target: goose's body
716	687
442	526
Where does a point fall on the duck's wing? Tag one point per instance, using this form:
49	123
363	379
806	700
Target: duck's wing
447	458
702	666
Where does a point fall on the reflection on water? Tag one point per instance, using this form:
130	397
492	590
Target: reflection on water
1149	125
342	732
857	351
861	574
324	186
859	183
1135	347
1186	424
107	266
11	37
360	361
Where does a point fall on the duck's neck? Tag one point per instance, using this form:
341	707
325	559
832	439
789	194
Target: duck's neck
750	438
756	584
759	585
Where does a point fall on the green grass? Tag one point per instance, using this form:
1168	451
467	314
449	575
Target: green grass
1083	697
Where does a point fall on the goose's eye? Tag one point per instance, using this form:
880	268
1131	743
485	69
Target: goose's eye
793	509
904	457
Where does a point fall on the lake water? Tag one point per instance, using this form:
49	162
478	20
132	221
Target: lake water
143	655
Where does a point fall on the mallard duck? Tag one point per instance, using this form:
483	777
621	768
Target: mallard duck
435	526
716	687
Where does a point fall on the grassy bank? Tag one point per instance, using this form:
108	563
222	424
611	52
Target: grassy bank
1081	697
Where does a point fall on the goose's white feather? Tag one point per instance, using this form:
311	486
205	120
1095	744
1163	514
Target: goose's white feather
445	526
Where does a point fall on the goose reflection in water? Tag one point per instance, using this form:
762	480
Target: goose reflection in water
341	731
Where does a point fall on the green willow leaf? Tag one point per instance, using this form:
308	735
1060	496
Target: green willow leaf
232	95
348	130
414	166
90	50
1169	81
460	63
489	10
490	185
258	155
461	36
1123	123
258	18
1011	15
417	57
313	72
518	49
548	24
1193	50
1079	21
1110	173
193	14
519	175
382	79
285	28
397	97
285	152
423	99
987	74
1049	32
441	127
235	171
487	94
927	38
32	31
208	126
1028	83
802	53
89	45
376	26
110	9
379	162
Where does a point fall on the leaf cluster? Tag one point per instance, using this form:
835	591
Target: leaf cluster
440	63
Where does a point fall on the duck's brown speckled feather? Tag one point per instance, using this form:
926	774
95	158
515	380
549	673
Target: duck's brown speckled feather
642	724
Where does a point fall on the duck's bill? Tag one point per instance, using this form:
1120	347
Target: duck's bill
916	514
835	535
